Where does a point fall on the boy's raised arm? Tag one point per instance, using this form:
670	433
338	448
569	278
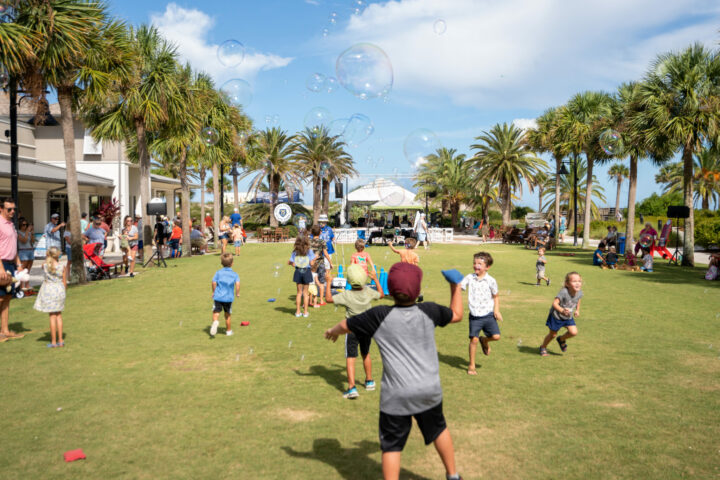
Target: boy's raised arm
456	302
328	293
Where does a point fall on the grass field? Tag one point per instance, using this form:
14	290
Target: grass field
146	394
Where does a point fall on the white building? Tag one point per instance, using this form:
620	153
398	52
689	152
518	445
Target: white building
104	171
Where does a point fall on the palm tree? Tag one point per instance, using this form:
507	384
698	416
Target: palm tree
681	93
322	158
566	198
449	175
618	173
273	158
539	181
77	47
503	159
705	177
581	122
143	97
546	139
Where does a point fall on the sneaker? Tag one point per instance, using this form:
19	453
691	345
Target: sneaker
543	352
213	328
548	282
370	385
562	343
229	333
306	314
351	393
298	314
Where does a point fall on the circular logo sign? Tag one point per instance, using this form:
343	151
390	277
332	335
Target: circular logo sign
283	213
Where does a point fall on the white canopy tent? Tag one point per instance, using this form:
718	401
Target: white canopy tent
381	193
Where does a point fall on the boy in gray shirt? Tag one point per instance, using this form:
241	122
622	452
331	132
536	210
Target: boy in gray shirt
410	387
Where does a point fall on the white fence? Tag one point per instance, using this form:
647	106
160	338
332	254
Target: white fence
349	235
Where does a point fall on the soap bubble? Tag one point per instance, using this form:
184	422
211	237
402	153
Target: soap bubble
646	240
238	91
419	145
209	136
365	71
440	26
389	193
317	116
325	32
315	82
611	142
357	129
324	169
332	19
231	53
357	6
337	126
330	84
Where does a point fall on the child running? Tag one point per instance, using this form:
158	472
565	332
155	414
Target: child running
565	308
51	297
408	255
356	301
361	257
301	258
405	334
225	287
540	266
484	305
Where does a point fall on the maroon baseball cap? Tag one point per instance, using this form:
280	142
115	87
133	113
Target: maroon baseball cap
405	278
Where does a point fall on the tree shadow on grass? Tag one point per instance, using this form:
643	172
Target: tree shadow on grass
335	377
533	350
454	361
351	463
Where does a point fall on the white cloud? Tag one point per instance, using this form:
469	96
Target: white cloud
188	29
527	53
525	123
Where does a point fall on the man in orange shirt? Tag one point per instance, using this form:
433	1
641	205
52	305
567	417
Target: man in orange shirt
175	240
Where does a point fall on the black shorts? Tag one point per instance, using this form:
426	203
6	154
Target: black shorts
220	306
351	346
303	276
174	243
486	323
394	429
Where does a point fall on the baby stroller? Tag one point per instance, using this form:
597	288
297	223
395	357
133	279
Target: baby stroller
96	267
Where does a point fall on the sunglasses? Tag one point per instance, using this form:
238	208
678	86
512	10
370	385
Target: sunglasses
10	209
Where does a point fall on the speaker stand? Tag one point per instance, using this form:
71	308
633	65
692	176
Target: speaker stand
674	257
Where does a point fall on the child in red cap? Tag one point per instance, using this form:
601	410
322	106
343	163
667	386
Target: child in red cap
410	383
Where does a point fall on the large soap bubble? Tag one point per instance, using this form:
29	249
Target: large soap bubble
318	116
611	142
209	136
337	126
231	53
357	129
365	71
238	91
440	26
315	82
358	6
419	145
330	84
389	193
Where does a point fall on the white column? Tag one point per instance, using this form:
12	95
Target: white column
40	211
84	203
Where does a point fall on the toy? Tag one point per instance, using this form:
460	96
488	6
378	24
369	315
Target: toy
20	277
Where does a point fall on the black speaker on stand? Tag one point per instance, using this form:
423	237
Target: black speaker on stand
677	212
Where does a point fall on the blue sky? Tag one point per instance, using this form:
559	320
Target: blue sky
497	61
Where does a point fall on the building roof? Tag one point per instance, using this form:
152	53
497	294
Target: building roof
44	172
171	181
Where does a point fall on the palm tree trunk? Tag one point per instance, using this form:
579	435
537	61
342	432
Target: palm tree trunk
506	203
540	193
144	162
632	191
558	164
66	122
274	194
202	196
325	196
588	203
706	202
454	210
185	207
688	258
317	198
216	204
617	197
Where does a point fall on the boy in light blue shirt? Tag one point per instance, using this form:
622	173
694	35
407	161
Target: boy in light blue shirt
225	287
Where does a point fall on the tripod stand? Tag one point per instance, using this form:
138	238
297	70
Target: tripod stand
676	254
158	256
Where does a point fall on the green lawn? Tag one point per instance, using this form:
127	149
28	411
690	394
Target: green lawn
146	394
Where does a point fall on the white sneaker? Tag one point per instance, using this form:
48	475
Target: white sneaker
229	332
213	328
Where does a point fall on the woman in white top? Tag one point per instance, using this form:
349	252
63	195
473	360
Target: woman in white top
129	244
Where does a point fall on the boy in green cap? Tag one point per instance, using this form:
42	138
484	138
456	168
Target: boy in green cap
356	301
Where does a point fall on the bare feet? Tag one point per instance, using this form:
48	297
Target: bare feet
472	371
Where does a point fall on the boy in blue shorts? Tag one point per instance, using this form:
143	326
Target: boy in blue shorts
484	305
405	335
225	287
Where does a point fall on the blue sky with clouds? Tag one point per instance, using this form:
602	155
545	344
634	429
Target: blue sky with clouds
497	61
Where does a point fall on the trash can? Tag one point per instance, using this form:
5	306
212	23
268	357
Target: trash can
621	245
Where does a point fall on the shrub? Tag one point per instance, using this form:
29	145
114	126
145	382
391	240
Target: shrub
657	204
519	213
707	231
